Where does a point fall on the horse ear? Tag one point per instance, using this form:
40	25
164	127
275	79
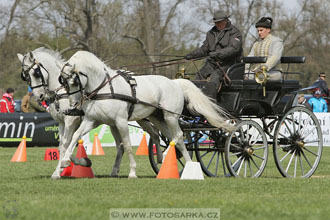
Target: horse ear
20	57
31	56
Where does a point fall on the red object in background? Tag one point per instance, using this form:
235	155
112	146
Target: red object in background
51	154
43	103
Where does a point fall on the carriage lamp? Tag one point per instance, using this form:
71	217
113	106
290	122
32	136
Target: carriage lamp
181	73
262	77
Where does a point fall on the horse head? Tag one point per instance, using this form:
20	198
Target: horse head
74	84
35	71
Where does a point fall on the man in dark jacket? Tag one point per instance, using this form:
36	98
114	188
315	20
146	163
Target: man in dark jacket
223	46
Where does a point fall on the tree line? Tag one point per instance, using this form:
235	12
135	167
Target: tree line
126	32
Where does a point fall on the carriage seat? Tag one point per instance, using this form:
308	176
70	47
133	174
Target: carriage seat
236	71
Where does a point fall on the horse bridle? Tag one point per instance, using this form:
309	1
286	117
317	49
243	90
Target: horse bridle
25	74
76	79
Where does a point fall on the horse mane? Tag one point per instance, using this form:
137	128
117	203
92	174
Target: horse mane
89	61
55	54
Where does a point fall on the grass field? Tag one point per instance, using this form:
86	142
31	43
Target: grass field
27	191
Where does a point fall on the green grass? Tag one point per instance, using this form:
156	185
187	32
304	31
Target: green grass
268	197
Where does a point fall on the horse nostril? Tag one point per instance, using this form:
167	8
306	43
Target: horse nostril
41	97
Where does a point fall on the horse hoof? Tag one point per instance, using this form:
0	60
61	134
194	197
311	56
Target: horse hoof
55	177
132	176
114	175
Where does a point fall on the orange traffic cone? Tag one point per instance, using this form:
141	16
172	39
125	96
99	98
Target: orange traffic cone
80	171
97	148
143	147
20	154
169	169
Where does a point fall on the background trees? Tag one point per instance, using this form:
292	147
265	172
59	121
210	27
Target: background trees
124	32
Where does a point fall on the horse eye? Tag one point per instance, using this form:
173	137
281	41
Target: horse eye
61	80
37	73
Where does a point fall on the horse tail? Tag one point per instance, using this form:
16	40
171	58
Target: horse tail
198	102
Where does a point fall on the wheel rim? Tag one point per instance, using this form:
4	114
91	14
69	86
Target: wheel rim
246	150
163	146
298	143
210	152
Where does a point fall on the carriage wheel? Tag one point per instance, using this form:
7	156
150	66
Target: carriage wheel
246	150
164	143
298	143
209	150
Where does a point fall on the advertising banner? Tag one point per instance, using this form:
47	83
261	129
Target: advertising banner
41	130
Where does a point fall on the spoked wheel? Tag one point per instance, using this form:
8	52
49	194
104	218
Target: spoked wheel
246	150
298	143
209	150
156	162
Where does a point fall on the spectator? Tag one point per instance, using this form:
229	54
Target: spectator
7	104
323	84
317	103
303	101
25	101
31	104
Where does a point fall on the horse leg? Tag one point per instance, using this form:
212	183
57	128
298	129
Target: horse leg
153	132
70	126
124	135
84	127
177	134
57	173
162	126
120	151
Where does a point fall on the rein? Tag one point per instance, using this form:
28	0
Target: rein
154	64
106	80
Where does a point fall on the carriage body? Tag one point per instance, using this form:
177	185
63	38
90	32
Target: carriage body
245	98
263	119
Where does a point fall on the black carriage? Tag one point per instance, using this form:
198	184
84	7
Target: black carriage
266	113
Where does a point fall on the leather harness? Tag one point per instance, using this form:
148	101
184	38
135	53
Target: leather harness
112	95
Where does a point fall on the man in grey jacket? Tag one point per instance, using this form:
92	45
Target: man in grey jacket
268	46
223	46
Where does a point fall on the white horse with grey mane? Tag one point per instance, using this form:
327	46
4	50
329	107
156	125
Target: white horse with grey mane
40	71
108	97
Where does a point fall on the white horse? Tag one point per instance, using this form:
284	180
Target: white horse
109	98
39	69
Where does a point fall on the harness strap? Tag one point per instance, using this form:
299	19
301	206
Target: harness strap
59	97
131	81
126	98
108	80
